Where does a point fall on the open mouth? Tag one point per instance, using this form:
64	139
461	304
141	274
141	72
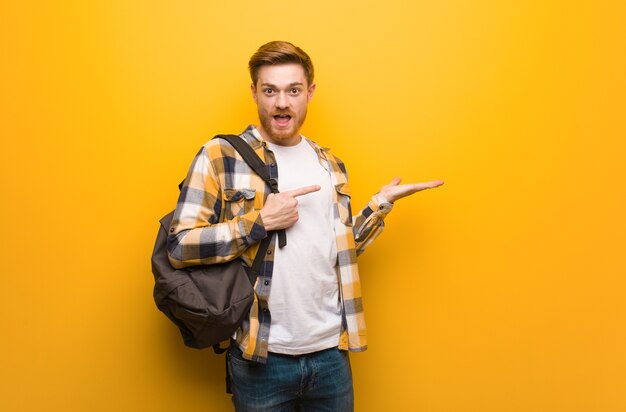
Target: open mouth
282	119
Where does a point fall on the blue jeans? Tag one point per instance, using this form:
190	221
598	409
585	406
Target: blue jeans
315	382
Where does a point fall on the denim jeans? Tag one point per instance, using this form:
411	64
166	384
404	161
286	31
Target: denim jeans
315	382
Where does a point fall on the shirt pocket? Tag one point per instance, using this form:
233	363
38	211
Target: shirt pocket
343	203
238	202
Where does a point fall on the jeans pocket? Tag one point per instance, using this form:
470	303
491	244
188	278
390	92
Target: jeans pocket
237	360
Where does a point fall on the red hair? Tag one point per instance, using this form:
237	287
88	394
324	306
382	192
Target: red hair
280	52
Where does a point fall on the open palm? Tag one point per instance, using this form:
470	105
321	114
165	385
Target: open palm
394	190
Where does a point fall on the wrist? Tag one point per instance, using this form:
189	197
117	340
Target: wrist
266	222
382	198
380	204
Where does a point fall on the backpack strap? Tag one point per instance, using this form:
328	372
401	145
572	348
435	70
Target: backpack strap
251	158
260	168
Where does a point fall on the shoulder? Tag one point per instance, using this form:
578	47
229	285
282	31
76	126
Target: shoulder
340	164
335	161
217	144
219	148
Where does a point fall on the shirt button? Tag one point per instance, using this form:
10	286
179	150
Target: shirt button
269	252
267	282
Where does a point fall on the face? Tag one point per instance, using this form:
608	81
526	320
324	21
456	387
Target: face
282	95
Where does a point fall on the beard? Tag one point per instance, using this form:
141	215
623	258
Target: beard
277	134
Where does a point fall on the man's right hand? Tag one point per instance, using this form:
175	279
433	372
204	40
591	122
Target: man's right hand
281	209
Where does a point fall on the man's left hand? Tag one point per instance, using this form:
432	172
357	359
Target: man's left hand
394	190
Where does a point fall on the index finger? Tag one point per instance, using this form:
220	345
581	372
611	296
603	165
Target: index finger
429	185
302	191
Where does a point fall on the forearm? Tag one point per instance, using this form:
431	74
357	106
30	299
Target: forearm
214	243
204	229
369	222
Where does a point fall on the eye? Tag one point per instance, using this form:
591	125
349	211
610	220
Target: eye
294	91
268	91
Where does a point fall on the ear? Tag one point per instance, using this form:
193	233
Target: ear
253	90
310	92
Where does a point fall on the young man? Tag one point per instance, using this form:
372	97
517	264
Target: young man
291	352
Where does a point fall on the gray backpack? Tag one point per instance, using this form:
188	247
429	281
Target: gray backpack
209	302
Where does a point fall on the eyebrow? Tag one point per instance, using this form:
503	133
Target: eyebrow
276	87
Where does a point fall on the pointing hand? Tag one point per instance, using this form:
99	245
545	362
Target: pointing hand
281	209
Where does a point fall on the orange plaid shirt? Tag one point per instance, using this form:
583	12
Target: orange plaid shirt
217	219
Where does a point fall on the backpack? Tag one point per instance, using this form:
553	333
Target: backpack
208	302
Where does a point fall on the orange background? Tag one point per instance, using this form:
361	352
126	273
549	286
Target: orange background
501	291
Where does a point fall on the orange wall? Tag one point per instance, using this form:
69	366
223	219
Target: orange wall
503	291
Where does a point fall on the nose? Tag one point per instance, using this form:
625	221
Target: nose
281	101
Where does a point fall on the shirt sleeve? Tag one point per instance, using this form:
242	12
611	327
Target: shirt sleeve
198	234
369	222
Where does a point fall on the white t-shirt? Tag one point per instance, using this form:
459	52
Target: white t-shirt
304	299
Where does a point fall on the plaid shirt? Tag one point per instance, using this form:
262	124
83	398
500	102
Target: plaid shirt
217	219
